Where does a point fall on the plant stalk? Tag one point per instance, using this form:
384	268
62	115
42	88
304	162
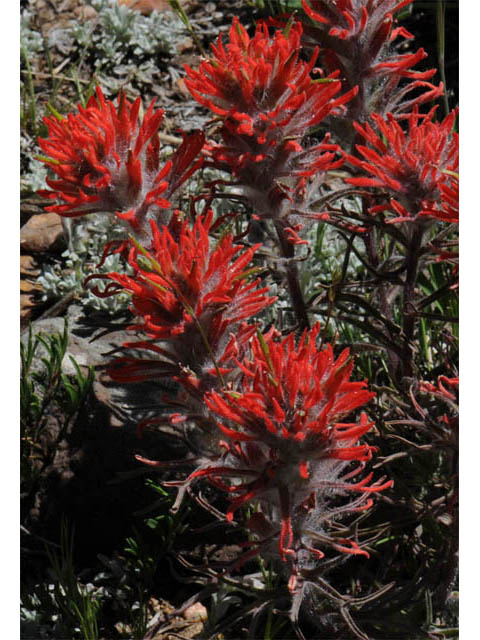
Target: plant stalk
296	295
407	365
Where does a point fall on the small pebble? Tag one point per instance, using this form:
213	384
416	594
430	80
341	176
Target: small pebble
196	612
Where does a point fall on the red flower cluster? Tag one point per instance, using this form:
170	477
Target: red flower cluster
269	419
105	161
190	294
356	15
356	36
283	434
419	167
267	100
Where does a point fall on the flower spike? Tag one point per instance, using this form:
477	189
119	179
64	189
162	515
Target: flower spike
106	161
191	295
283	424
418	168
356	37
267	101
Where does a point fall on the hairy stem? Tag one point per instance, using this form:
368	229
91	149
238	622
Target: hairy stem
296	295
383	293
407	365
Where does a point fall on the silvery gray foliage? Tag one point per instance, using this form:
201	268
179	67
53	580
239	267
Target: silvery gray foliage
30	40
324	262
119	34
88	236
34	179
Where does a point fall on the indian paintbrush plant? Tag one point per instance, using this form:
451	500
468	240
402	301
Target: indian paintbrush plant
316	120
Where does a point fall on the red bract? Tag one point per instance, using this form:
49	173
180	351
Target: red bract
105	161
267	101
356	36
450	194
445	392
191	294
446	389
284	437
418	168
355	16
260	84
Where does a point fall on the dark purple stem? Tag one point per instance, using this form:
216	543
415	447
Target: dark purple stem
296	295
407	365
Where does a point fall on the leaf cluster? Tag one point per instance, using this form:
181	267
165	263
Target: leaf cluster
46	394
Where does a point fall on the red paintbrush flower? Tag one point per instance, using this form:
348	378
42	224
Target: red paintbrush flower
284	443
260	84
418	168
356	37
347	18
106	161
189	293
267	100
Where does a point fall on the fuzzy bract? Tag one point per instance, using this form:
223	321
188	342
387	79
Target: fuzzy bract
347	18
267	100
284	439
356	37
260	84
191	293
418	167
106	161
